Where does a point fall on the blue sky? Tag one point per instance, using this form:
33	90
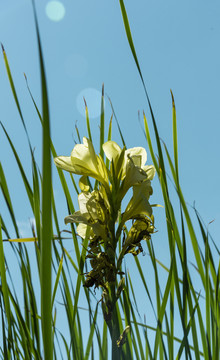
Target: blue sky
177	44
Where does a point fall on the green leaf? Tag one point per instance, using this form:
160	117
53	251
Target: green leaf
102	123
45	245
57	280
4	284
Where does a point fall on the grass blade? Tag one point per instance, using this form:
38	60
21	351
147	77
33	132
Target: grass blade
46	236
102	124
4	284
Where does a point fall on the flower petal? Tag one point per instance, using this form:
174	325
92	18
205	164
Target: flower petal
150	171
83	183
143	190
139	204
83	198
111	149
134	175
138	154
77	217
64	162
83	230
81	157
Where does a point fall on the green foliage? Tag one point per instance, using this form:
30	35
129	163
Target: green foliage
32	331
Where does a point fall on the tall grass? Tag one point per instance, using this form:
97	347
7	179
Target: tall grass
31	331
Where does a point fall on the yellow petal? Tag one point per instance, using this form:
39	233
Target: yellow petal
64	162
83	230
111	149
139	153
77	217
139	204
134	175
83	183
150	171
83	198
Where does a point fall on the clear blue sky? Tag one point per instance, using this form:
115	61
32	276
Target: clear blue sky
177	44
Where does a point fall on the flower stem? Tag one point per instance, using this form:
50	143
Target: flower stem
116	352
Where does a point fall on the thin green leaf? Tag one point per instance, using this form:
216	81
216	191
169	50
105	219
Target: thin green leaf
102	123
46	248
91	334
57	280
4	284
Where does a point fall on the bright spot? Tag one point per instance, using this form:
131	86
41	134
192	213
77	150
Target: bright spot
93	100
76	65
55	10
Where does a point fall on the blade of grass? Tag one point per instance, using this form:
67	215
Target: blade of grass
13	89
91	334
188	221
119	129
104	353
87	121
24	178
57	280
46	248
175	144
102	124
5	192
4	285
131	44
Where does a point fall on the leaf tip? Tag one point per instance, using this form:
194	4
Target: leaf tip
3	49
173	102
85	102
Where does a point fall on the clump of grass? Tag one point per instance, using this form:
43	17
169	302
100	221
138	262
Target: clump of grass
32	331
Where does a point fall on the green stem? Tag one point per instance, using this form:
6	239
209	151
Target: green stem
115	326
113	322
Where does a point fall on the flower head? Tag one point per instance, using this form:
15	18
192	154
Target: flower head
84	161
129	166
98	210
139	203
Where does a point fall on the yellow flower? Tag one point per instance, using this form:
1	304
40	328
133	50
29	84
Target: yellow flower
92	212
84	161
132	169
137	154
139	203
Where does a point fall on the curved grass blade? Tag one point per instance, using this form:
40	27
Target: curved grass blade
62	180
188	221
6	194
131	44
175	143
24	178
13	89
